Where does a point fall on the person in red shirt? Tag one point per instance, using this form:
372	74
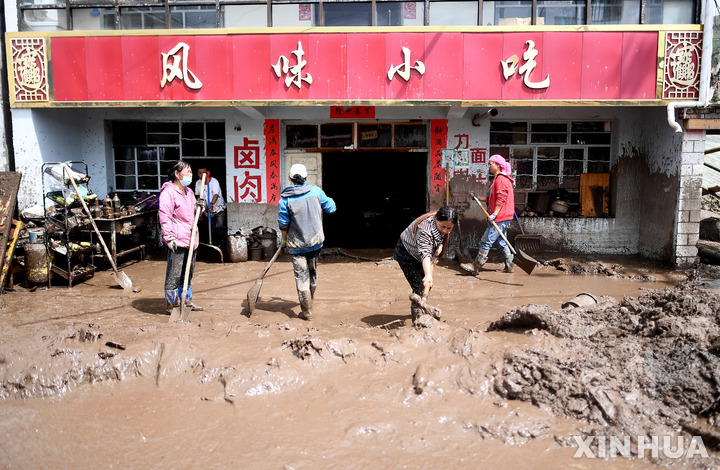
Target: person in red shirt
501	207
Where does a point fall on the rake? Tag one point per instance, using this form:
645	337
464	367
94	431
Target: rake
531	243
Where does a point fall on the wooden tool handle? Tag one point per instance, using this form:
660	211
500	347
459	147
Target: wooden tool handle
272	260
193	232
493	222
428	285
90	216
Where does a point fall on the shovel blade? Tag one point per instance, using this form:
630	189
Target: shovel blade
123	279
253	295
526	262
175	315
179	313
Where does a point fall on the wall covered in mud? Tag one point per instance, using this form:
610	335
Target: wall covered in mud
645	164
55	135
648	163
41	136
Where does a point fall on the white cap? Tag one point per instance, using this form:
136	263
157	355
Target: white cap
298	169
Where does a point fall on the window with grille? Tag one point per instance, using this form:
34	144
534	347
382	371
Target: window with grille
348	135
145	151
547	156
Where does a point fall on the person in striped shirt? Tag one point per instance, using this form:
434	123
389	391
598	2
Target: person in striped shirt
420	247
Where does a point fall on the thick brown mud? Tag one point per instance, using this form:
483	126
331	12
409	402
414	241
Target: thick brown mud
506	377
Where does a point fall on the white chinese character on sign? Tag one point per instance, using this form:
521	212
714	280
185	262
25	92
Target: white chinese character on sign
293	73
510	66
404	69
682	64
178	68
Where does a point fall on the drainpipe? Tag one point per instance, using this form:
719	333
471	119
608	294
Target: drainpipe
705	65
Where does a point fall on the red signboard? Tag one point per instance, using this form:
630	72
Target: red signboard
467	66
352	112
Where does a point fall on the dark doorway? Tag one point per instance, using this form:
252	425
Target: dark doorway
217	170
377	194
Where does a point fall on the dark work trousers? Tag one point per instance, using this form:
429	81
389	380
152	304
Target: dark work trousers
219	228
175	274
305	270
411	268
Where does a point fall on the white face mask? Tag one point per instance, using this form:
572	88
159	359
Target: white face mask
186	180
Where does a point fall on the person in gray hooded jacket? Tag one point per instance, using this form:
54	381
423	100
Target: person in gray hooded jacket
300	220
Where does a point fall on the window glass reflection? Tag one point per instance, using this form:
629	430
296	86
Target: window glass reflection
347	14
245	16
669	12
192	16
507	13
44	20
142	18
294	14
615	12
399	13
85	19
453	13
560	13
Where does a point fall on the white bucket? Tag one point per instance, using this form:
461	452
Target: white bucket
580	300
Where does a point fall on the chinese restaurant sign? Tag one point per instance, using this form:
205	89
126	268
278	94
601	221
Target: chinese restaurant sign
374	67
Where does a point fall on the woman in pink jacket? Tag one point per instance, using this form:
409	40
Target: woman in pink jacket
177	216
501	206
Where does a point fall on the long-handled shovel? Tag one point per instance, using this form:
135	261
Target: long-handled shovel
179	313
119	276
254	292
525	262
421	302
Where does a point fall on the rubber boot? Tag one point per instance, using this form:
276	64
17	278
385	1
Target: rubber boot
509	263
305	305
188	300
480	262
171	300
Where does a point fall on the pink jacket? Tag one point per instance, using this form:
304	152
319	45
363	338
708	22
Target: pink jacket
177	215
502	195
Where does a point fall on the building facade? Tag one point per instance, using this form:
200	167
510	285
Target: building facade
395	108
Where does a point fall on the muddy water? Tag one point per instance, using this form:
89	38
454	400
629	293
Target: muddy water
95	375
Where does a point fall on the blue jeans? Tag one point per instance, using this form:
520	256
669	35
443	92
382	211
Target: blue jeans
491	236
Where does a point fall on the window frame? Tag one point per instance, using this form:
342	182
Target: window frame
356	140
160	148
70	5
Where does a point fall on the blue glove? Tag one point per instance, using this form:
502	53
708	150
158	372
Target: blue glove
491	218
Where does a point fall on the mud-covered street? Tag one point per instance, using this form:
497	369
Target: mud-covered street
96	376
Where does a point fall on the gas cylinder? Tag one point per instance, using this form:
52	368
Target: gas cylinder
36	262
